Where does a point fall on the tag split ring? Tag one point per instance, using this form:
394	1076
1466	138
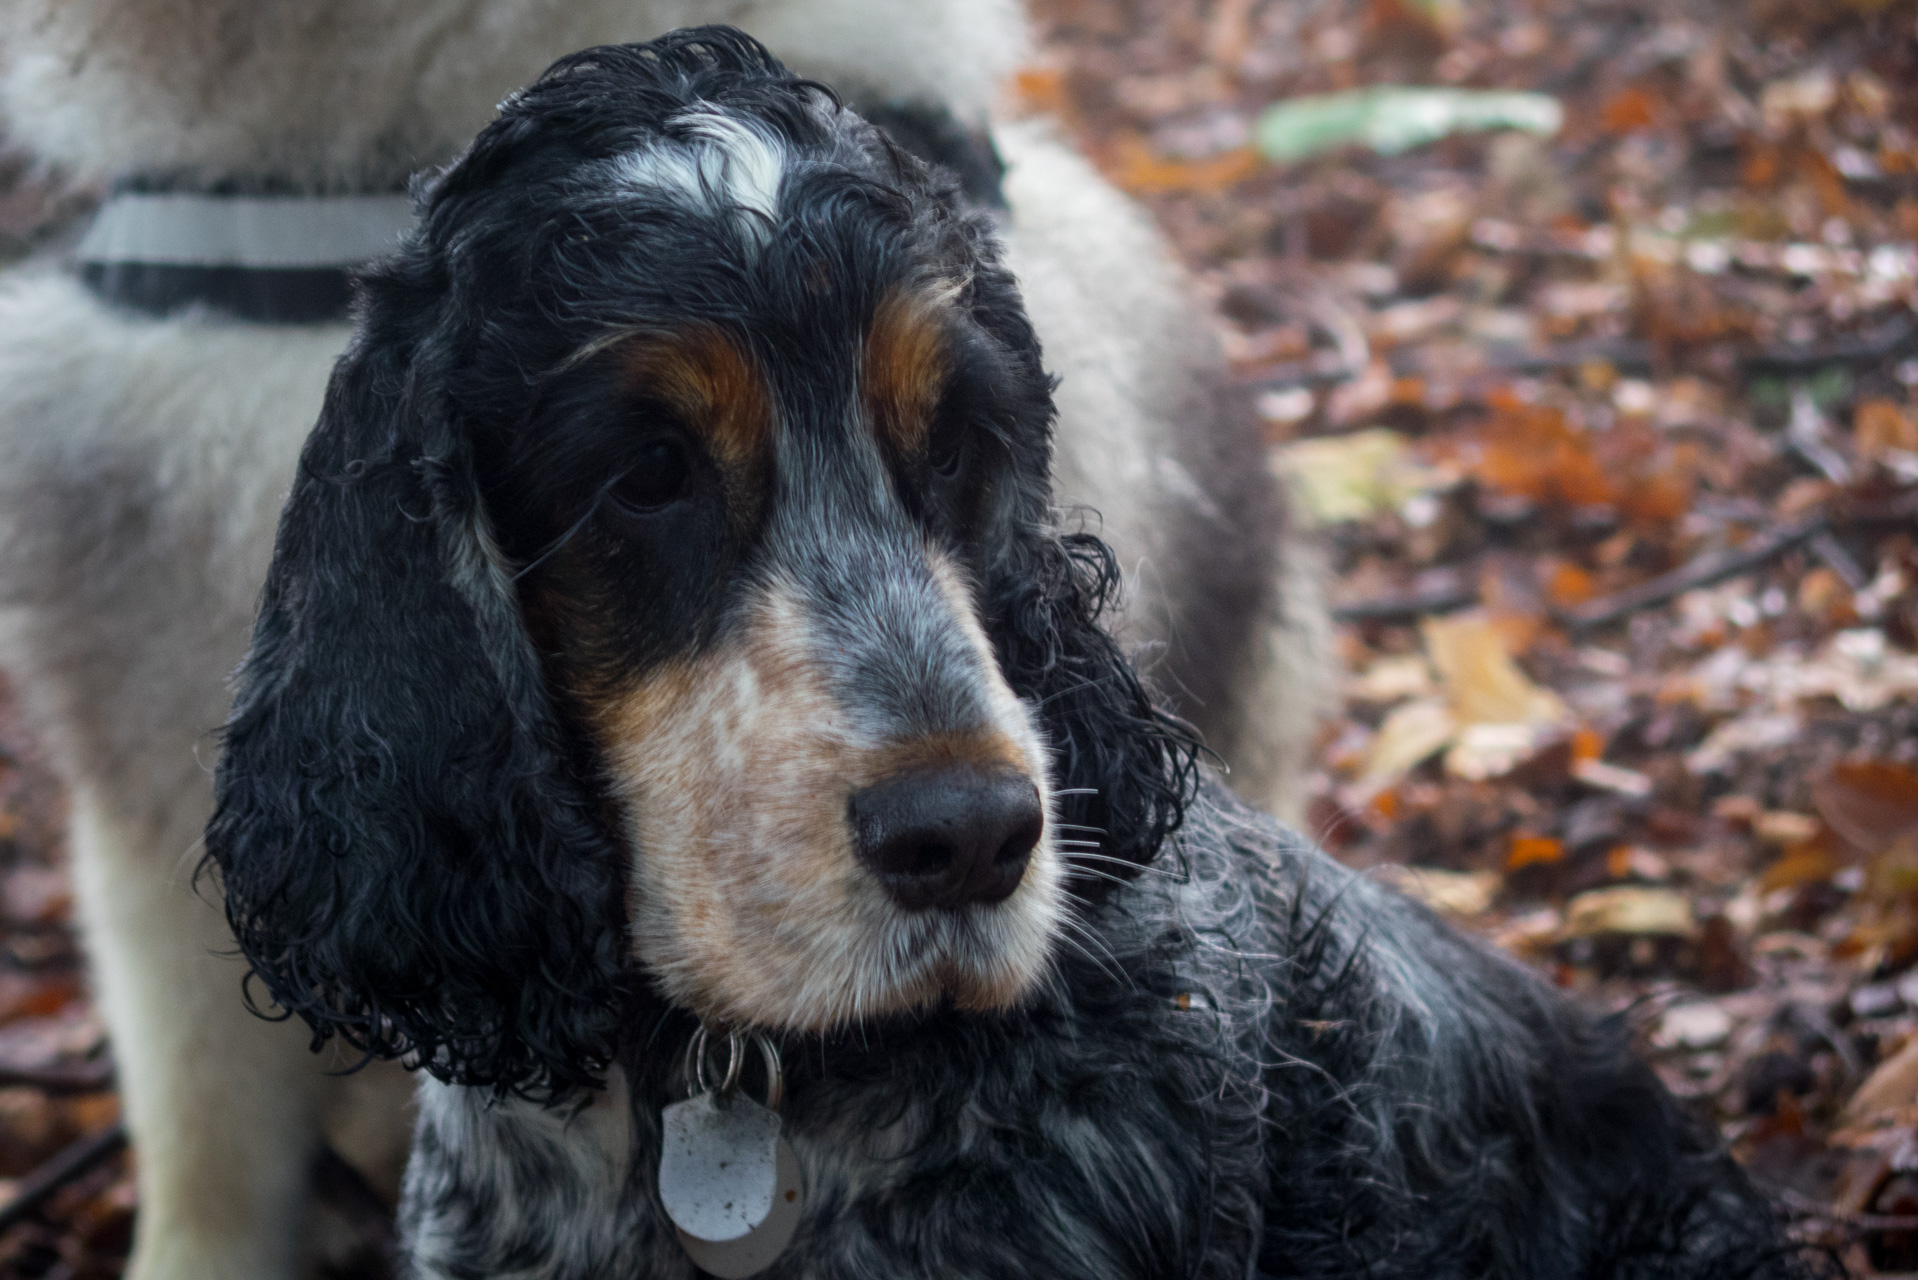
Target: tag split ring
697	1061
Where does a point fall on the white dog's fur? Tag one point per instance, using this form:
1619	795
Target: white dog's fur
143	461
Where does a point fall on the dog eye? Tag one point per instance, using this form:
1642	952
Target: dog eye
659	476
947	457
946	442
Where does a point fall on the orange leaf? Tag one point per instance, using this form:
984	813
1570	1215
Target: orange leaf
1588	744
1527	850
1139	170
1661	497
1618	861
93	1113
1579	477
1871	803
1762	166
1569	585
1879	427
1042	89
1629	110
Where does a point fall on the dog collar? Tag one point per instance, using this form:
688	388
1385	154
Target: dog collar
275	259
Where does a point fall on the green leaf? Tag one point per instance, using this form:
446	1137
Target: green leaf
1390	119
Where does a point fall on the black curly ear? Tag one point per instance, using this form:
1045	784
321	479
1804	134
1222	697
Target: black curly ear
407	861
1122	766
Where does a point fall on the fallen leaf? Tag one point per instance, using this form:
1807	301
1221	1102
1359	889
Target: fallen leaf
1754	731
1410	734
1042	90
1784	103
1354	477
1390	119
1482	683
1456	893
1780	826
1628	111
1629	909
1529	851
1892	1084
37	1044
1392	679
1137	168
1808	863
1880	428
1612	777
1569	585
1693	1026
1483	751
1871	803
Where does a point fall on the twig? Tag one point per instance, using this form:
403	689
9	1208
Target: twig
1626	354
66	1078
1414	605
1716	566
1840	561
1806	436
1713	566
73	1161
1805	1207
1804	357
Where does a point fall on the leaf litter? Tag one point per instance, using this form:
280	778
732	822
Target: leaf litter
1607	420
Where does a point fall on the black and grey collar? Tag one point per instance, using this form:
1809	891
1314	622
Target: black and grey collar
269	258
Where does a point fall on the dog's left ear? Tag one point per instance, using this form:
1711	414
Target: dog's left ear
407	860
1122	767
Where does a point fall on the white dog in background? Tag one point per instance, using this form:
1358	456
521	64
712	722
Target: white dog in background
146	441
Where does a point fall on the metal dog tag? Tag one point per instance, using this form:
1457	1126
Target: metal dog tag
718	1166
759	1248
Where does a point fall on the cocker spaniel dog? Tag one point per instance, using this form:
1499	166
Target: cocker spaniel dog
669	632
158	375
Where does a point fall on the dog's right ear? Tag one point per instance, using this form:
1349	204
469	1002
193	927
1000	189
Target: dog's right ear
406	858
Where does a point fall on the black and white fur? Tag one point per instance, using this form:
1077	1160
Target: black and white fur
143	461
492	788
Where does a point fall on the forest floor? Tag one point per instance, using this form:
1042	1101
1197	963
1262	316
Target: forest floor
1611	433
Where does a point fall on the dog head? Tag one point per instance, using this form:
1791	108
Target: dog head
668	589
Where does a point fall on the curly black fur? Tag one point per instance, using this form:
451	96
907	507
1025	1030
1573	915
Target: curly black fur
1255	1065
1266	1067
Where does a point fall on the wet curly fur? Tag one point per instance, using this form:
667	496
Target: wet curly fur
1240	1060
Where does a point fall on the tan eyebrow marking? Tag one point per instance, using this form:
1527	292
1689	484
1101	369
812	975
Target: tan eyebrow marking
905	365
715	388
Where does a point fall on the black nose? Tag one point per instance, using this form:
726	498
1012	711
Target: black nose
948	837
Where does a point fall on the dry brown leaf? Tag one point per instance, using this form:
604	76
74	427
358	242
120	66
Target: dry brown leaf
1629	110
1871	803
1880	427
1806	863
1892	1084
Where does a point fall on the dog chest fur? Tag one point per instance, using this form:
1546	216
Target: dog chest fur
1259	1064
